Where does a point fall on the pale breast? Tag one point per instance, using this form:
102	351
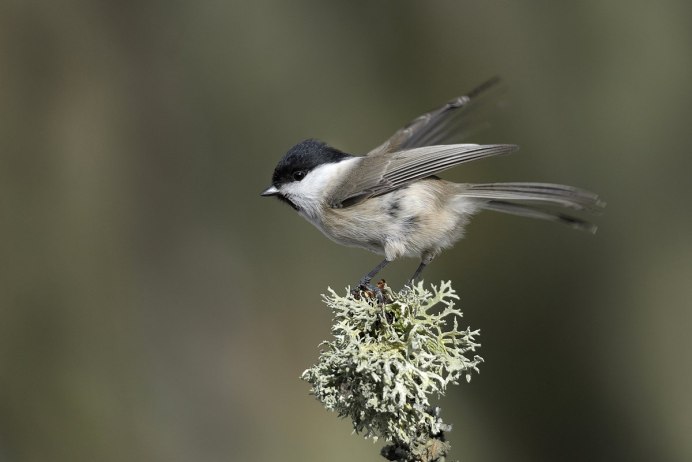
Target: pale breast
421	218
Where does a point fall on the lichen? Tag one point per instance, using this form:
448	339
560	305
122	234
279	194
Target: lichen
386	360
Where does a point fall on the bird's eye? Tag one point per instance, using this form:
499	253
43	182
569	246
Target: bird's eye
299	175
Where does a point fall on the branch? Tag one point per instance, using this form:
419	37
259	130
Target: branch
385	361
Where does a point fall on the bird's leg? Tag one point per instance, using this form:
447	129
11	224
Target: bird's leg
365	280
425	260
416	275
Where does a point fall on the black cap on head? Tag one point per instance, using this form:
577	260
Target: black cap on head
304	157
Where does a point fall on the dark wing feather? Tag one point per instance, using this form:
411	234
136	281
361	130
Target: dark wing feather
437	127
375	176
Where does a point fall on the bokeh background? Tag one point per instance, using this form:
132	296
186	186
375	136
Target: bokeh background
154	307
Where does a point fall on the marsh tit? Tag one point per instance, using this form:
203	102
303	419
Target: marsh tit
391	202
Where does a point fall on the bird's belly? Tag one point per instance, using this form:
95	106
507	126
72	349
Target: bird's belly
356	226
410	222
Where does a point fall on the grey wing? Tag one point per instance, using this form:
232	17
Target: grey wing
453	120
377	175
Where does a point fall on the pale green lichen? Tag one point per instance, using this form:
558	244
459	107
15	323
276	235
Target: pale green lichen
385	362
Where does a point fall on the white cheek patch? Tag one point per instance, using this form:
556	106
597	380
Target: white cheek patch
310	193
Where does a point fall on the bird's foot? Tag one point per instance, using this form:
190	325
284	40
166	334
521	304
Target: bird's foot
363	286
380	292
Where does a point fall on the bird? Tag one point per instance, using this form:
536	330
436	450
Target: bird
390	201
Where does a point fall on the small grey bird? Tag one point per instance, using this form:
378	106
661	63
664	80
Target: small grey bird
390	202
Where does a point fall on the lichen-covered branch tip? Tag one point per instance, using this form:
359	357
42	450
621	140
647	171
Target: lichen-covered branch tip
386	360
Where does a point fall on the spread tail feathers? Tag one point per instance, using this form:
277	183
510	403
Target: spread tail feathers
522	199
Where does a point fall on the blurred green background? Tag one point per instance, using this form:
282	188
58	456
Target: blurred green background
154	307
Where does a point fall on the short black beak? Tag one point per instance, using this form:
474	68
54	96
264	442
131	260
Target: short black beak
270	191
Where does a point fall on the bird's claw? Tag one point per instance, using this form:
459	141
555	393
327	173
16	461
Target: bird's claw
380	292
